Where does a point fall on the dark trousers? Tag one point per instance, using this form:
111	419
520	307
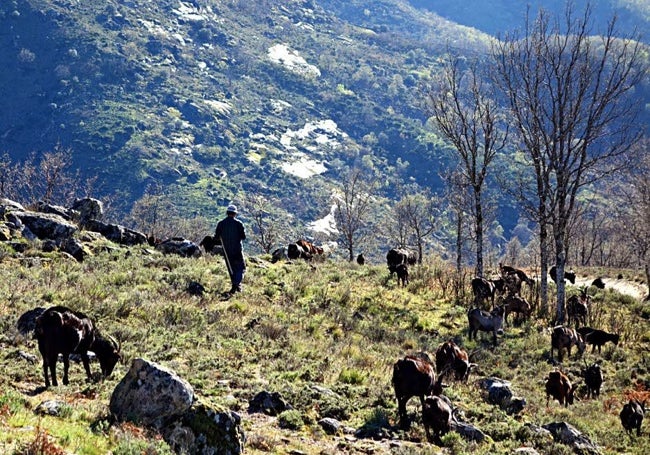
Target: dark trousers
238	269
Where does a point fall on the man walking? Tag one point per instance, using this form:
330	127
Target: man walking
230	233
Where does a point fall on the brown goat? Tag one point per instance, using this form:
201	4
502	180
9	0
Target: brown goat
413	377
449	356
559	387
60	330
578	308
516	304
565	337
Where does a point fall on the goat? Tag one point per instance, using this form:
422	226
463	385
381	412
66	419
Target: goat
486	289
559	387
632	416
437	415
402	271
413	377
486	322
59	330
514	277
516	304
449	356
361	260
565	337
593	379
598	283
597	338
571	276
578	308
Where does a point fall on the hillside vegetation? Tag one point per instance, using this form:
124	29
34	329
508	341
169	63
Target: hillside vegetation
336	325
214	100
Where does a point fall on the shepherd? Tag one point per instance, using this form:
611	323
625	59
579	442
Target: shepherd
230	233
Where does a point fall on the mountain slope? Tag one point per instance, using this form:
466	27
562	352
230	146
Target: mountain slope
219	99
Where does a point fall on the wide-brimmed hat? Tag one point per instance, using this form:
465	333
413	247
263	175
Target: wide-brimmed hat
232	208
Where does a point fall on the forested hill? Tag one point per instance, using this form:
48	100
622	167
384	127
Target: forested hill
214	100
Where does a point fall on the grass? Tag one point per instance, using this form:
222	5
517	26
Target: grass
331	324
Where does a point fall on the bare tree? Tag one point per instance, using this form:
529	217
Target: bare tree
418	211
634	209
266	230
353	207
463	110
567	90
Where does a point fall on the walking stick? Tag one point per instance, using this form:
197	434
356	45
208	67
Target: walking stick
230	272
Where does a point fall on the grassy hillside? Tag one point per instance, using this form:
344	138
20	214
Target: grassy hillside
330	324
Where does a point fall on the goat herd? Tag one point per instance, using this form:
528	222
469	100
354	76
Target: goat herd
414	376
60	330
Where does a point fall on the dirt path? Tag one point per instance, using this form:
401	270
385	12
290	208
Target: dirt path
636	290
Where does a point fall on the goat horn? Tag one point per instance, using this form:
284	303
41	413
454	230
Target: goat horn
115	343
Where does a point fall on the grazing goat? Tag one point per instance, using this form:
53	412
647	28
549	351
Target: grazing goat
361	259
578	308
593	379
559	387
402	271
571	276
486	289
486	322
449	356
516	304
597	338
60	330
632	416
565	337
413	377
437	415
598	283
397	256
513	278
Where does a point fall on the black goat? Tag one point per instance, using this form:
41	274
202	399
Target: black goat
597	338
632	416
593	379
59	330
571	276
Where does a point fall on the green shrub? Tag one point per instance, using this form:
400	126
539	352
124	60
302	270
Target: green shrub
291	420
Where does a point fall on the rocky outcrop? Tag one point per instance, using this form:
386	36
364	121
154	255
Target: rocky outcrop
567	434
179	246
153	396
43	225
116	233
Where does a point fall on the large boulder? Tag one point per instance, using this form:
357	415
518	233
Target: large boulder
179	246
45	225
87	209
567	434
498	392
151	395
116	233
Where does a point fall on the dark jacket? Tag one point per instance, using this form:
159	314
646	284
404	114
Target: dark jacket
231	231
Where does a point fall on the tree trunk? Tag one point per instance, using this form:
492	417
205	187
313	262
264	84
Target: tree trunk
543	258
479	232
647	280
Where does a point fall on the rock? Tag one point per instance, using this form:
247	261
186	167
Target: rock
87	209
268	403
569	435
206	430
151	395
75	248
180	246
50	407
195	288
5	232
9	205
116	233
526	451
468	432
46	225
500	394
329	425
44	207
